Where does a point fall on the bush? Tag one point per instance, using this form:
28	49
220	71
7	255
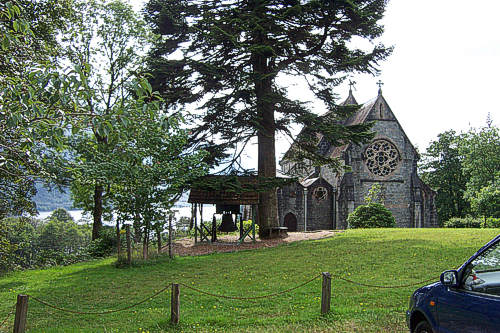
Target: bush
492	222
105	244
373	215
248	223
465	222
472	222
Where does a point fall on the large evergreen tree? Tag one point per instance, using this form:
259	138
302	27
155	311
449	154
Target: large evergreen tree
234	52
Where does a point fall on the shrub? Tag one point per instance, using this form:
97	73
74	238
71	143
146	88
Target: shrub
492	222
373	215
105	244
463	222
248	223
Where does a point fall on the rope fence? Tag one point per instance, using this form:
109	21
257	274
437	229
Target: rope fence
8	316
22	301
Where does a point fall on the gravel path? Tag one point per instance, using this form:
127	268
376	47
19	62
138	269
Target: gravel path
227	243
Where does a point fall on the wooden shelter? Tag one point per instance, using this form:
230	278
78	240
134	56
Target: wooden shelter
228	193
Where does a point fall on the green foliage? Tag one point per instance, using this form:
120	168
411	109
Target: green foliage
29	243
481	159
105	244
248	223
33	99
487	201
472	222
442	170
372	215
465	222
464	170
375	194
491	222
62	215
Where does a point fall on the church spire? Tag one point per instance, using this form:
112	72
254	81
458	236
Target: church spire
350	99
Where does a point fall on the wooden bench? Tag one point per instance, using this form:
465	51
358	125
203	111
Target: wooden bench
279	229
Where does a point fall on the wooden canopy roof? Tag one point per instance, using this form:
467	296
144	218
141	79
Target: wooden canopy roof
227	190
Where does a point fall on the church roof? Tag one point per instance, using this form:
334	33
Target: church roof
350	99
357	118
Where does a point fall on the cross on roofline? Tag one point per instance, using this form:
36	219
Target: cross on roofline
380	84
351	85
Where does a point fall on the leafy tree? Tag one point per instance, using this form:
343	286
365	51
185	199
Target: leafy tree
62	215
442	169
487	201
104	43
33	99
481	158
234	55
154	169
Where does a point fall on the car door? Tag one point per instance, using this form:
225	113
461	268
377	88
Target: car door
467	311
475	305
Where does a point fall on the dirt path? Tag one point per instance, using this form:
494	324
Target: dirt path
227	243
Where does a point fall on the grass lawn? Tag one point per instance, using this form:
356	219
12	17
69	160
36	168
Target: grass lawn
384	256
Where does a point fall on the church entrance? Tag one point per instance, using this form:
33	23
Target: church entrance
290	222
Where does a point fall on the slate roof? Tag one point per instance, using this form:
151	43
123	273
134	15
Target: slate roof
222	190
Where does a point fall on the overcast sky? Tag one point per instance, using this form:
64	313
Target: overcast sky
444	71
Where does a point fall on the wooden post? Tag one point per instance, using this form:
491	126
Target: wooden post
21	313
241	226
254	216
214	228
326	292
118	239
195	223
170	254
129	247
175	304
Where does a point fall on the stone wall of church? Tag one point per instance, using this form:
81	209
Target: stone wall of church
397	185
291	200
319	211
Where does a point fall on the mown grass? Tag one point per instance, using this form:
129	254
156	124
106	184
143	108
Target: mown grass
384	256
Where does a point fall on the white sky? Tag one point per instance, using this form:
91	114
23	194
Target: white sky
443	73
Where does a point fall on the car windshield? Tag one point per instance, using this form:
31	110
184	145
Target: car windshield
488	261
483	273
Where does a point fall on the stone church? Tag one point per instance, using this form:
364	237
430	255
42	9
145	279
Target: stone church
322	199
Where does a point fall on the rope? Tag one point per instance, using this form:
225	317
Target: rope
103	312
250	298
387	287
8	315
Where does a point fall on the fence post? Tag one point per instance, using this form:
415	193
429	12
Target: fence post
174	304
21	313
170	230
129	249
326	292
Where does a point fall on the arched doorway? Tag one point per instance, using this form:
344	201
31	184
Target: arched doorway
290	222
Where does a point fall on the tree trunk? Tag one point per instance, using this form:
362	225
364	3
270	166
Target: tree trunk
97	211
145	243
268	202
158	237
118	239
137	229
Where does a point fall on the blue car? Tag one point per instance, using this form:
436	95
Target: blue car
465	300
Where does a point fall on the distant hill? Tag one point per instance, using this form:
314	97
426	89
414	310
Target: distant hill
48	200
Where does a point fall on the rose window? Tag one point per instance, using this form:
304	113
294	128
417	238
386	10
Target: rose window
381	157
320	193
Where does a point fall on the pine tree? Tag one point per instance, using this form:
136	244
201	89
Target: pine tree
233	53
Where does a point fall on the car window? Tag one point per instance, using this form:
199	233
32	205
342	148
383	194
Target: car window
483	274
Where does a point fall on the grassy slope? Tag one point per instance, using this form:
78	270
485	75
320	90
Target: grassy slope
391	256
